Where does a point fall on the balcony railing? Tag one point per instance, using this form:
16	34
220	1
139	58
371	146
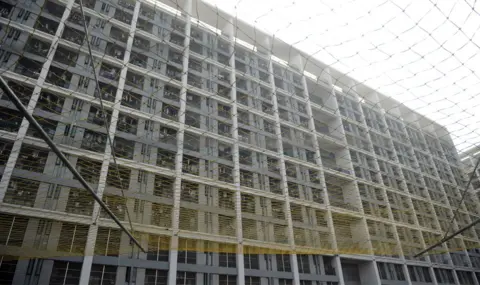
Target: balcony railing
73	35
59	77
28	67
123	16
46	25
37	47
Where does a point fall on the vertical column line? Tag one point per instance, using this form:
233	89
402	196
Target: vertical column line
283	174
93	229
177	186
236	156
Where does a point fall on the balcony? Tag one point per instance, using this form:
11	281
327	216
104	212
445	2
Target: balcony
264	77
242	98
223	91
74	36
163	186
22	192
192	119
109	71
274	185
119	35
123	16
94	141
144	25
37	47
171	93
138	59
196	47
170	112
174	73
224	111
115	51
127	124
50	103
190	164
195	65
32	159
223	59
131	100
54	9
108	92
194	80
244	135
77	18
193	100
240	66
135	80
59	77
225	173
176	39
267	108
46	25
89	169
224	129
79	202
65	56
246	178
178	26
123	148
5	9
168	136
10	120
97	117
166	159
147	12
28	67
129	4
142	44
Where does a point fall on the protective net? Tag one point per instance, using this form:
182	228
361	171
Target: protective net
204	130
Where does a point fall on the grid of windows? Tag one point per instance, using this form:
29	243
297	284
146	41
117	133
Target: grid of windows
371	163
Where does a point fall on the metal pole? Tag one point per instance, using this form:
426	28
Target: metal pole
445	238
13	97
449	237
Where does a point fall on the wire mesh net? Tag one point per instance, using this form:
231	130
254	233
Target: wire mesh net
190	133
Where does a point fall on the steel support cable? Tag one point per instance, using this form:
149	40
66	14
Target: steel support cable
106	123
16	101
462	198
445	237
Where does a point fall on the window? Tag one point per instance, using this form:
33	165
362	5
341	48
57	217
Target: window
282	281
303	263
65	273
251	261
283	262
102	274
158	248
227	259
187	252
249	280
227	279
156	277
186	278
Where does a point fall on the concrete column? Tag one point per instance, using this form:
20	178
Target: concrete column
283	174
93	230
318	157
230	30
172	273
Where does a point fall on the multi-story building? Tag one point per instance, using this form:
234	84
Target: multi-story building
233	164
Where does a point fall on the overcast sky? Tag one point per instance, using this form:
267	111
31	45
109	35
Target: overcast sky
423	54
